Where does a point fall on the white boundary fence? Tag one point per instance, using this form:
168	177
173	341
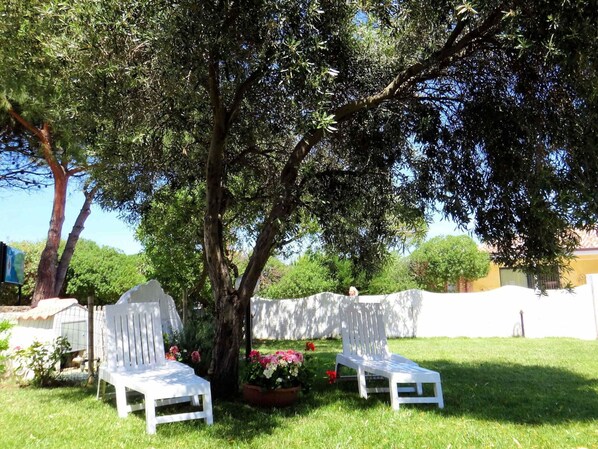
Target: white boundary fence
505	312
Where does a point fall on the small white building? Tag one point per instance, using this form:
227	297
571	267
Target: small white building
52	318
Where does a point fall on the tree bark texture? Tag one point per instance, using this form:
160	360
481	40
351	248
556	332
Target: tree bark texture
71	242
224	367
45	283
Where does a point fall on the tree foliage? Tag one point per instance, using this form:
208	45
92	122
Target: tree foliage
358	116
100	270
103	272
306	276
394	276
446	260
45	119
171	234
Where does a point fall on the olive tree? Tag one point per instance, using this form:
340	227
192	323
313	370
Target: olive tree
360	116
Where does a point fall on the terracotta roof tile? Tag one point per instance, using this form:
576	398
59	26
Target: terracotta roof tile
587	240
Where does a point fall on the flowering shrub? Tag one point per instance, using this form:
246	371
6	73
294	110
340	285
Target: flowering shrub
283	369
174	354
184	356
41	360
193	344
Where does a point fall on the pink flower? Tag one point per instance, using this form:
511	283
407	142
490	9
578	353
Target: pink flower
174	350
309	346
195	357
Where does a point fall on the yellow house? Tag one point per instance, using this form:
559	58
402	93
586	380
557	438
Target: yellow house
585	261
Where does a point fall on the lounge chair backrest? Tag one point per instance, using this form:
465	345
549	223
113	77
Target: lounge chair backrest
134	336
363	331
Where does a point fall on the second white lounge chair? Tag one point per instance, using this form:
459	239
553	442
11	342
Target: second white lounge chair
365	349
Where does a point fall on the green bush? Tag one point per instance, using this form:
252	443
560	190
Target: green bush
42	360
102	271
4	337
307	276
445	260
395	276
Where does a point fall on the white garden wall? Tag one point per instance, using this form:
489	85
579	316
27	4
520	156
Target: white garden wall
417	313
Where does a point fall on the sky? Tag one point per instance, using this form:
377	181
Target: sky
26	215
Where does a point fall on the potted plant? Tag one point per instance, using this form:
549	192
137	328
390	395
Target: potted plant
275	380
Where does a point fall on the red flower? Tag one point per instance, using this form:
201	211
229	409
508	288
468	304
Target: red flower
170	356
309	346
331	376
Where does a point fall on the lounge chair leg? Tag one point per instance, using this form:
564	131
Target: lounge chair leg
438	394
101	389
121	401
207	407
150	415
361	385
393	389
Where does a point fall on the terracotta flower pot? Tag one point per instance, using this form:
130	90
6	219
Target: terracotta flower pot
281	397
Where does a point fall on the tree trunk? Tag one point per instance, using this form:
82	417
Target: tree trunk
69	249
224	367
45	284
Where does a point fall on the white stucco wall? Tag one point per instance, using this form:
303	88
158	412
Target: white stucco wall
416	313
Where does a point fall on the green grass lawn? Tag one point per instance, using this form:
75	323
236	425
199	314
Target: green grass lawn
499	393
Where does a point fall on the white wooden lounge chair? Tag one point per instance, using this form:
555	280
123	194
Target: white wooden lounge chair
365	349
136	361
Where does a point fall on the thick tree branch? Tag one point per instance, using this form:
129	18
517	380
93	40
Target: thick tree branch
72	240
416	72
240	94
76	170
36	132
214	86
419	71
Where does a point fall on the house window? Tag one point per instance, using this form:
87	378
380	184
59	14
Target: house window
546	281
549	280
508	276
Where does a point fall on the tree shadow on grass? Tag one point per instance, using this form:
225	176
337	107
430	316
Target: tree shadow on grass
514	393
522	394
500	392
